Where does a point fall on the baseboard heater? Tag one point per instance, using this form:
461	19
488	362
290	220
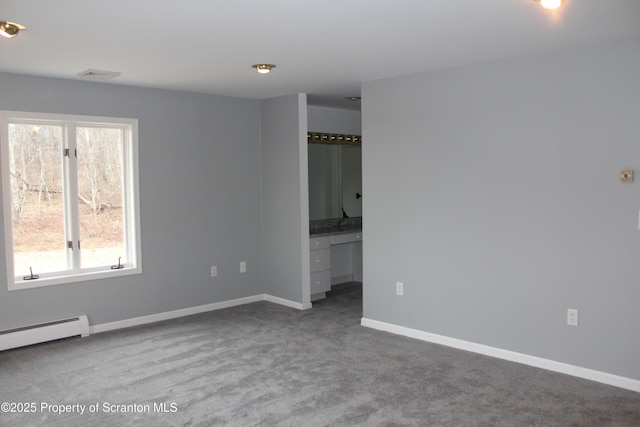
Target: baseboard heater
43	332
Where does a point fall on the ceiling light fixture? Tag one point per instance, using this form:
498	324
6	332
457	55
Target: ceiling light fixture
264	68
10	29
550	4
353	98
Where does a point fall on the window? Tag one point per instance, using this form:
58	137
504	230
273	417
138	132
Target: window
70	189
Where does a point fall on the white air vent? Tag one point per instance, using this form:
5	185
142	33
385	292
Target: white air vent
98	74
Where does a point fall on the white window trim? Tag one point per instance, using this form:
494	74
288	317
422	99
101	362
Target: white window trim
133	198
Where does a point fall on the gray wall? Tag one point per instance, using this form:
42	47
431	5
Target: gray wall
199	193
285	200
334	120
492	192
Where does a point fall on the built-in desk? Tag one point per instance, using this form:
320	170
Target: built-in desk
334	258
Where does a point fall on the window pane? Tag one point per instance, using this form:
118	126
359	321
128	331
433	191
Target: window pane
35	156
100	196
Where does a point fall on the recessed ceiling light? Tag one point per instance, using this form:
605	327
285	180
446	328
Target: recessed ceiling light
264	68
550	4
353	98
10	29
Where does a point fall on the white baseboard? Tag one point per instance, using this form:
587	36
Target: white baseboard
341	279
167	315
538	362
287	303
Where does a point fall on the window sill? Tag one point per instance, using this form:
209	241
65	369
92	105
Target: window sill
17	285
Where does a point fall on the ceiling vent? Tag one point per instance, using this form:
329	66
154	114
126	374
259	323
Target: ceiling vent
98	74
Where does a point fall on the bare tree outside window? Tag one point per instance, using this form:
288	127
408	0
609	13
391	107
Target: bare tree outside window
36	193
36	156
100	195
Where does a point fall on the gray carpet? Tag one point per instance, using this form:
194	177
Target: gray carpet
268	365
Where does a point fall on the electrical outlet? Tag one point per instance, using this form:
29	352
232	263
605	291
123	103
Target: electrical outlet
572	317
243	267
399	288
214	271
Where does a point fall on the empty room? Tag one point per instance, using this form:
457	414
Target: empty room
320	213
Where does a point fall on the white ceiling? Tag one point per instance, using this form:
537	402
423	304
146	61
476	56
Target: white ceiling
325	48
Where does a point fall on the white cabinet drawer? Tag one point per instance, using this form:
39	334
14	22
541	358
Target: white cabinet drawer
320	282
319	243
339	239
320	260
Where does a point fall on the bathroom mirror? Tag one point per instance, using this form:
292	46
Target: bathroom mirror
335	180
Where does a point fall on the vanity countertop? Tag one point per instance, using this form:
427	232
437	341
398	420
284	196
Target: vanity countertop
336	232
331	227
